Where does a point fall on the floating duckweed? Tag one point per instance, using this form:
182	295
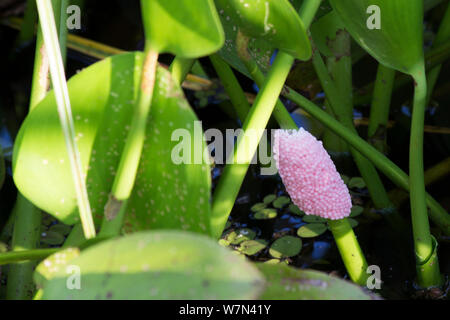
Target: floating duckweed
311	230
252	247
237	236
285	247
258	206
265	214
313	219
280	202
356	211
269	198
294	209
356	182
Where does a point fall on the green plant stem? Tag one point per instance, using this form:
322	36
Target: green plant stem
350	251
232	86
442	36
433	58
26	255
65	113
26	236
129	162
339	104
379	111
438	214
437	172
180	68
423	243
28	25
256	121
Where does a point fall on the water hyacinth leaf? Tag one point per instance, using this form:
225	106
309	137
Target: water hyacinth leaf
311	230
391	31
269	198
325	30
357	182
252	247
274	21
280	202
353	223
159	265
265	214
191	28
166	194
356	211
61	229
237	236
52	238
287	283
258	206
285	247
53	264
313	219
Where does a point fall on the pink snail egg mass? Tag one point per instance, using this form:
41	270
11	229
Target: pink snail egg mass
310	176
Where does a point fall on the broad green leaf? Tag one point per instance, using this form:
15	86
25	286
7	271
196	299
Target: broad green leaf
287	283
285	247
294	209
398	43
159	265
186	28
311	230
274	21
166	194
52	265
357	182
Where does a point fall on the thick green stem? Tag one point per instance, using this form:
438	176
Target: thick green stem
350	251
423	243
379	111
232	86
180	68
26	236
25	255
52	46
339	105
129	162
438	214
442	36
253	127
256	121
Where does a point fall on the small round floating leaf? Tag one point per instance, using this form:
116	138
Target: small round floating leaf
237	236
296	210
274	21
159	265
311	230
280	202
61	229
252	247
258	206
357	182
52	238
356	211
272	261
313	219
265	214
287	283
285	247
190	29
397	41
269	198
